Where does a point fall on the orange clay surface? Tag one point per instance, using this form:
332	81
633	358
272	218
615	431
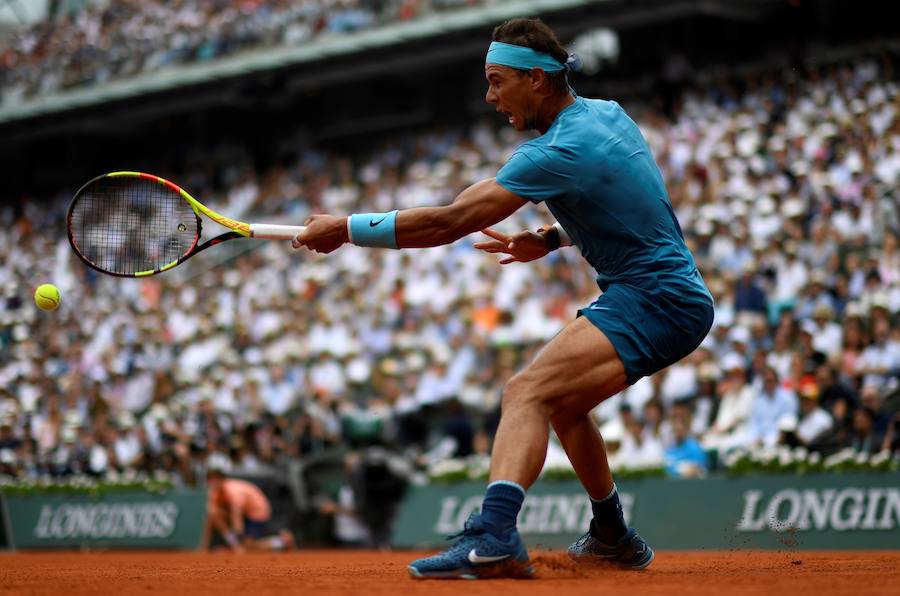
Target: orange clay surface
365	572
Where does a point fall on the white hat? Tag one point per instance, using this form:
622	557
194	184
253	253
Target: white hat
612	431
732	361
765	205
739	334
800	168
792	208
808	327
703	227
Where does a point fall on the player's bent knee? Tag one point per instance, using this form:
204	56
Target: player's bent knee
522	391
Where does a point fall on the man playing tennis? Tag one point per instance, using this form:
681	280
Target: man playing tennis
595	171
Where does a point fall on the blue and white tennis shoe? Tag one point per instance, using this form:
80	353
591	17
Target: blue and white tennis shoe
477	554
631	551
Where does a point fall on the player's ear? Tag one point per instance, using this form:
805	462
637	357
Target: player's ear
539	79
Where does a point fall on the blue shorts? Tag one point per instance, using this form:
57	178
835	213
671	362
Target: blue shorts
254	529
650	331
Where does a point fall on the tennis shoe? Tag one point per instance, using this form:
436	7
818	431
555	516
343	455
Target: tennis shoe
477	554
631	551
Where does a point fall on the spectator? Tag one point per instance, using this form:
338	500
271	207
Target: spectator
685	458
770	404
640	450
748	295
863	438
815	422
102	42
736	401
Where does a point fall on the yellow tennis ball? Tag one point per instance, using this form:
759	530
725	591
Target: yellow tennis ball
47	297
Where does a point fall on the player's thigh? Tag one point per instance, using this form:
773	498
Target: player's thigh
573	373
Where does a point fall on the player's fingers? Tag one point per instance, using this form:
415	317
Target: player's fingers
299	240
508	260
490	246
496	235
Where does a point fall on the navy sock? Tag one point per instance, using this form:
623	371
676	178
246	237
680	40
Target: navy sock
609	521
501	506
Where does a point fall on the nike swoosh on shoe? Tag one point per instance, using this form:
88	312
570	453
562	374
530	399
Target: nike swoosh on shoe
477	559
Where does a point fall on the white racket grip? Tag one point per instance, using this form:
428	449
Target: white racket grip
274	231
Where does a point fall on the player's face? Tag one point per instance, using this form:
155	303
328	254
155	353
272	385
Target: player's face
509	91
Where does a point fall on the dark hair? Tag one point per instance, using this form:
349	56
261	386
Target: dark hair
535	34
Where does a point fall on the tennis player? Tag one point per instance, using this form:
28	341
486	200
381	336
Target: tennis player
595	172
239	511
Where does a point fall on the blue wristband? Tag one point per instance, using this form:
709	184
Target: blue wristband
373	229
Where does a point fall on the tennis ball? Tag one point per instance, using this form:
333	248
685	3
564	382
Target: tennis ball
47	297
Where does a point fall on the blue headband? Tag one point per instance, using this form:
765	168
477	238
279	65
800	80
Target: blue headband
520	57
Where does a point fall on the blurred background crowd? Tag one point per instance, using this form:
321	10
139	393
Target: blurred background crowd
787	192
104	41
254	357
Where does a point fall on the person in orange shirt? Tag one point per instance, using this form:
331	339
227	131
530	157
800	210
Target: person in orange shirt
239	511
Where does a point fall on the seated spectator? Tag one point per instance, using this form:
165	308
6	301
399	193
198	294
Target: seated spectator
638	449
656	428
815	422
833	389
863	437
685	458
770	404
880	360
736	400
748	295
873	398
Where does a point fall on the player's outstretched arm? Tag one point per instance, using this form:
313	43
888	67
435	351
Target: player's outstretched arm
481	205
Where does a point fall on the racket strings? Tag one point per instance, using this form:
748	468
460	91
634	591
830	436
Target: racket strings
128	225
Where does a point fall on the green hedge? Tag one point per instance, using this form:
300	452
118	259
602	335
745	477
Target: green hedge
83	485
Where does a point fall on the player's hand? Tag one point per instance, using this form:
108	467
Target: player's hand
323	233
522	247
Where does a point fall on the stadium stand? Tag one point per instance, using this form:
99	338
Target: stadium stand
108	41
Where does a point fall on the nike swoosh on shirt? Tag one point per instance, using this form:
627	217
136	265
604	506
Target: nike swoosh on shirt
476	559
373	223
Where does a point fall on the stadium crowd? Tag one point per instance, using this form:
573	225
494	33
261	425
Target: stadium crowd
785	185
104	40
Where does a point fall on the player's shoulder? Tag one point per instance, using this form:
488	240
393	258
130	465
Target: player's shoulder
600	107
539	151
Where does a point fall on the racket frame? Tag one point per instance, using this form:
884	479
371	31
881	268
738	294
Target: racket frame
238	229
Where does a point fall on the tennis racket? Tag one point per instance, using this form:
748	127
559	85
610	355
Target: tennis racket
132	224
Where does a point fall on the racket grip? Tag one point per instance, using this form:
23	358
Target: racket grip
274	231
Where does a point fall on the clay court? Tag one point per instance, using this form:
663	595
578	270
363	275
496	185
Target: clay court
355	572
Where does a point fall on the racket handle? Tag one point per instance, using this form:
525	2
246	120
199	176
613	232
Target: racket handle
274	231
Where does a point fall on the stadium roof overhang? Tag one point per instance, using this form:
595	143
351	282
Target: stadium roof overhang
431	40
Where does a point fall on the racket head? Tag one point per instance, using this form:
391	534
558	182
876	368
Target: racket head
132	224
